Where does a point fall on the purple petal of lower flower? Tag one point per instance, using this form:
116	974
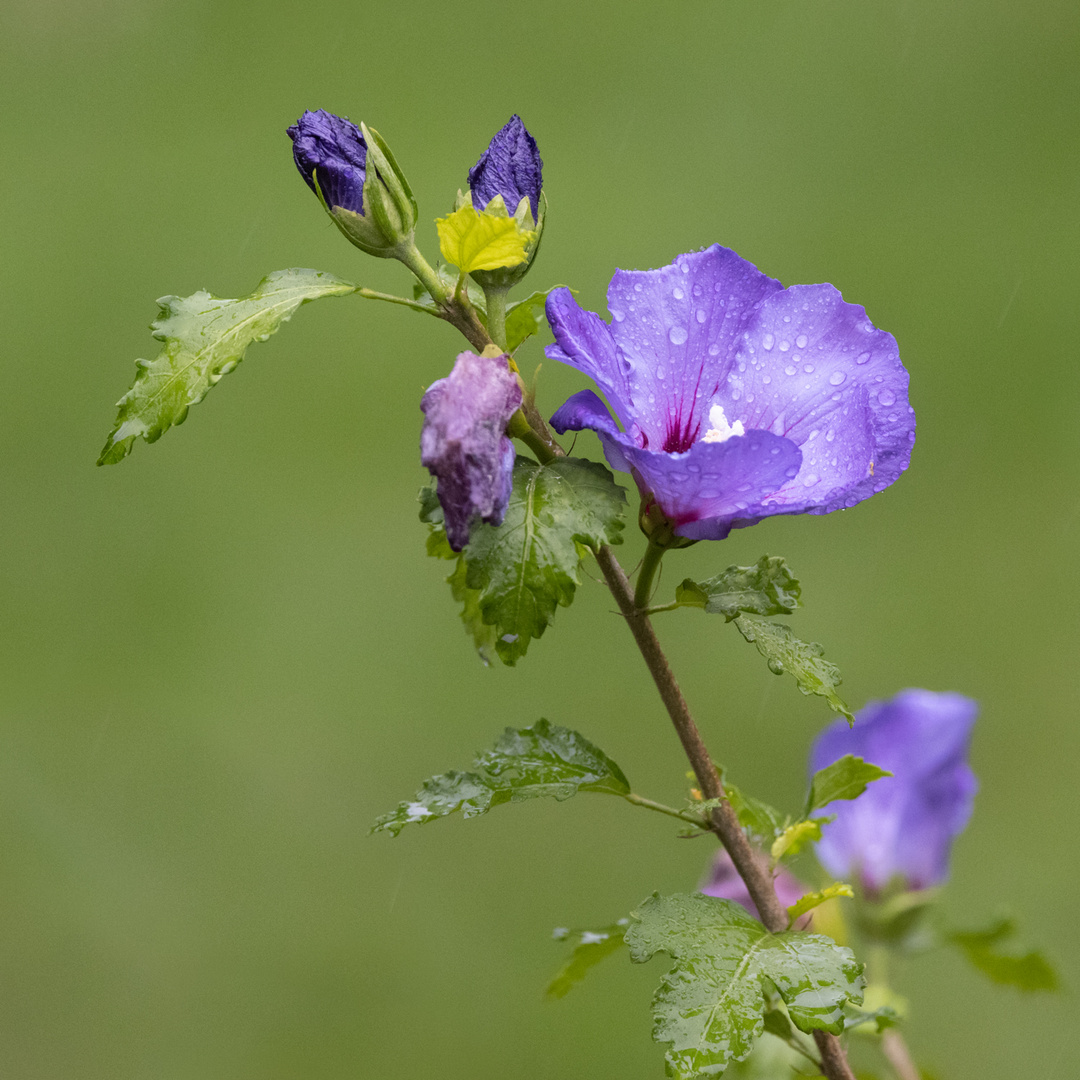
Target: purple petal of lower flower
902	826
331	150
463	442
725	883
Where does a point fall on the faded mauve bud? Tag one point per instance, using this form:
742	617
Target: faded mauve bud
464	444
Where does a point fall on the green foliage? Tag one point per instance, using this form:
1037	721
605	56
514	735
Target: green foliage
814	899
526	318
881	1018
710	1006
203	338
541	761
766	588
764	822
1028	972
802	659
524	568
846	778
448	275
796	836
591	947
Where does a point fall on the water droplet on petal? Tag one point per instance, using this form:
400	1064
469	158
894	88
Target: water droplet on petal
701	316
785	345
810	479
660	373
862	358
808	368
830	435
792	472
618	316
677	335
776	667
677	293
886	397
626	364
800	341
837	377
766	379
714	350
789	370
767	341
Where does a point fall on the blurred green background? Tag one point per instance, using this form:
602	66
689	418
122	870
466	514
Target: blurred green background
224	657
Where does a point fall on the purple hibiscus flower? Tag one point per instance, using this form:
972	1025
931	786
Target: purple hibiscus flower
464	444
724	882
510	167
902	827
332	150
738	398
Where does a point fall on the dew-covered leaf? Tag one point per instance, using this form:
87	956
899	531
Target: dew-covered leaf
203	338
710	1007
540	761
1029	972
801	659
766	588
590	947
527	566
845	778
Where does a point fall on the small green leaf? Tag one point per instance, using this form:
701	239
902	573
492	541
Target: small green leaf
796	836
591	947
802	659
766	588
527	566
846	778
814	899
541	761
473	239
763	821
203	338
884	1017
526	318
1028	972
710	1005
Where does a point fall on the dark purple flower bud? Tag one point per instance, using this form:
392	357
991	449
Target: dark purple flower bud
355	176
724	882
464	444
331	150
510	167
902	827
738	398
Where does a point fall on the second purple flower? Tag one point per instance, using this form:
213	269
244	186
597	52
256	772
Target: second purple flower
738	399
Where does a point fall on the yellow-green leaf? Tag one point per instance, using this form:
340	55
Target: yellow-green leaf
474	240
794	836
811	900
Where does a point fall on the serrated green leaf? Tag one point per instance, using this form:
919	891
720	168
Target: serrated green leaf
802	659
763	821
472	239
846	778
814	899
709	1008
766	588
527	566
543	761
1029	972
792	840
204	337
591	947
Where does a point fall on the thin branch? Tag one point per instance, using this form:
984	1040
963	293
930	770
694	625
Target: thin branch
899	1057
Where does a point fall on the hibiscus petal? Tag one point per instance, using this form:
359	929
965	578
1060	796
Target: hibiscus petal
816	370
677	329
903	825
703	491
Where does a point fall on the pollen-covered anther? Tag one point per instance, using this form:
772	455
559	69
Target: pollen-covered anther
719	428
